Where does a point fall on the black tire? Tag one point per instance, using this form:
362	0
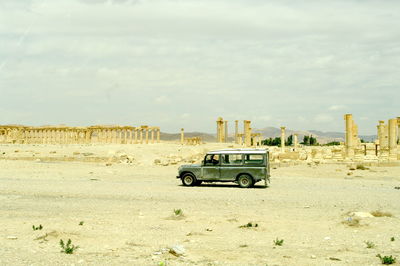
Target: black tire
188	180
198	183
245	181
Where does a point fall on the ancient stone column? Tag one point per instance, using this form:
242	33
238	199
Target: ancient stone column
283	139
182	136
237	131
136	135
383	140
152	135
225	131
349	136
392	139
295	141
141	135
220	129
158	135
398	129
247	133
147	135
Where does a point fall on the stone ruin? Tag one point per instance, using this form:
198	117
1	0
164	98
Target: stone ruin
247	138
189	141
16	134
384	149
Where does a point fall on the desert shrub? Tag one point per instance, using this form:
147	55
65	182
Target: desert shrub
387	259
352	221
369	244
278	242
381	214
249	225
392	238
40	227
67	248
361	167
81	222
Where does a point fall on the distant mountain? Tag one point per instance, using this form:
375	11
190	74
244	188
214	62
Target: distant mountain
322	137
271	132
177	136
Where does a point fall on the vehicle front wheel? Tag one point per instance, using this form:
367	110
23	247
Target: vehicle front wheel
245	181
188	180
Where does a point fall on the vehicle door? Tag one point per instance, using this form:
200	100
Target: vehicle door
210	169
255	164
231	166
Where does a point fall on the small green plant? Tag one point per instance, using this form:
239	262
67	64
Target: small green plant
249	225
387	259
369	244
392	239
278	242
244	246
81	222
40	227
67	248
178	212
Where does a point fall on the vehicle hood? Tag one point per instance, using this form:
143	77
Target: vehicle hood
190	166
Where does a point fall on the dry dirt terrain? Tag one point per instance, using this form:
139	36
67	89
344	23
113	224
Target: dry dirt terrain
117	202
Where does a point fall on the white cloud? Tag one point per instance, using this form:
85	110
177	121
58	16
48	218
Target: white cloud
323	118
153	59
162	99
336	107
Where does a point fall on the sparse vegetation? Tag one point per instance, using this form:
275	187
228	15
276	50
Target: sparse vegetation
381	214
332	143
278	242
387	259
67	248
81	222
369	244
178	212
243	246
352	221
361	167
392	238
40	227
249	225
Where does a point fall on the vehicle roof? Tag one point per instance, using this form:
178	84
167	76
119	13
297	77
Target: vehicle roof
239	151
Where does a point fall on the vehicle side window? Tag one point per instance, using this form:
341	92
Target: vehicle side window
254	159
211	159
232	159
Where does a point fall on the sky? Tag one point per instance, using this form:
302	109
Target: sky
184	63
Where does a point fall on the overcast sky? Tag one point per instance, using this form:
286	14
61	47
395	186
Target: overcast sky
173	64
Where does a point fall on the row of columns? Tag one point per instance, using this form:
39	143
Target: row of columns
189	141
247	137
222	130
388	136
79	135
385	146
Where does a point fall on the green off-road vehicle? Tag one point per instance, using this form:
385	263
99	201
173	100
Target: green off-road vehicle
243	166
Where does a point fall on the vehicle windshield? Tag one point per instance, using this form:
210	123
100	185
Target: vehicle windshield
211	159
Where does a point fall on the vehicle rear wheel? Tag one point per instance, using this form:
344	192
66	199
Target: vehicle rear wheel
245	181
188	180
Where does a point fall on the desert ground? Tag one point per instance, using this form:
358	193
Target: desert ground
117	202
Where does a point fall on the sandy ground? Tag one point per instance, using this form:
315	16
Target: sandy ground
127	210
